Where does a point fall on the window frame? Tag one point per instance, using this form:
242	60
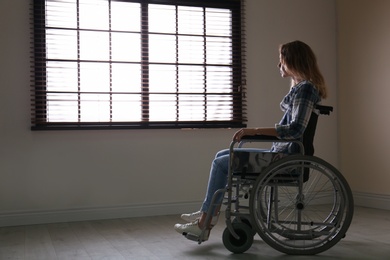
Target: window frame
39	73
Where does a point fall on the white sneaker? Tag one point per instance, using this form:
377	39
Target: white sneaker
192	228
191	217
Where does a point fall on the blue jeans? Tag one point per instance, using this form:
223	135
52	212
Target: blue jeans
219	176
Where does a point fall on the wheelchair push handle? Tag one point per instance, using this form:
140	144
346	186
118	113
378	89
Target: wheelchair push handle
324	110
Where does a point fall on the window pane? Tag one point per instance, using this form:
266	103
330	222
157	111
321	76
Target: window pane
219	79
162	48
219	107
126	47
191	20
62	76
219	50
191	49
61	44
162	107
94	14
162	78
94	46
94	77
191	79
191	107
61	14
125	16
162	18
216	20
126	107
94	107
62	107
126	78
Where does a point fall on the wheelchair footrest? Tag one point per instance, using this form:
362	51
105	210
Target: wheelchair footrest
204	236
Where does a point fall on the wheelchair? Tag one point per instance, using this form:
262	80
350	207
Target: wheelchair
298	204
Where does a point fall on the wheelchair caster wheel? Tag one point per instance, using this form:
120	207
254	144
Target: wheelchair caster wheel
246	222
242	244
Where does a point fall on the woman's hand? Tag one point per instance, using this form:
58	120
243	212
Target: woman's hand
245	132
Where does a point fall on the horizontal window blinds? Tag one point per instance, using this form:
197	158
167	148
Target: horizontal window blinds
137	64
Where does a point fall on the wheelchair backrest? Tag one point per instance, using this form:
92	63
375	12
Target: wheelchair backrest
308	135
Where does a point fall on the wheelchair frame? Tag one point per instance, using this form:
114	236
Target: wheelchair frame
299	205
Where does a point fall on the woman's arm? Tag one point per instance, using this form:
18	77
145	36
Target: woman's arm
303	102
271	131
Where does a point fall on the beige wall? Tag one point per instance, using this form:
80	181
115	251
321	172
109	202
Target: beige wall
364	89
74	175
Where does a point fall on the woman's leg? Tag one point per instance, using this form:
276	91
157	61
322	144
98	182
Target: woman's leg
217	179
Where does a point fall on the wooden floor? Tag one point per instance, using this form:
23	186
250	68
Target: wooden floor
154	238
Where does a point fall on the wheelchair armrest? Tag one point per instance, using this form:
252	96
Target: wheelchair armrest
261	138
266	138
255	138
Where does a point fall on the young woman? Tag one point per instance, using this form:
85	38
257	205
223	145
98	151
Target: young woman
298	62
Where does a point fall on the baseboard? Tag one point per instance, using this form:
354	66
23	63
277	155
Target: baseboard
83	214
370	200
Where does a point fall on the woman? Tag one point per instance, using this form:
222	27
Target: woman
298	62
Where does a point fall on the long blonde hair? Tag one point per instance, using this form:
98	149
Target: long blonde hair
302	62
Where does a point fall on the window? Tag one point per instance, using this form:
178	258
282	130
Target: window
138	64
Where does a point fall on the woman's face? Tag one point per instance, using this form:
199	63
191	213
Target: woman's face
284	72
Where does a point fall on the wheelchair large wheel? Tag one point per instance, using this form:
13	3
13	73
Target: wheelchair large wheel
301	205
